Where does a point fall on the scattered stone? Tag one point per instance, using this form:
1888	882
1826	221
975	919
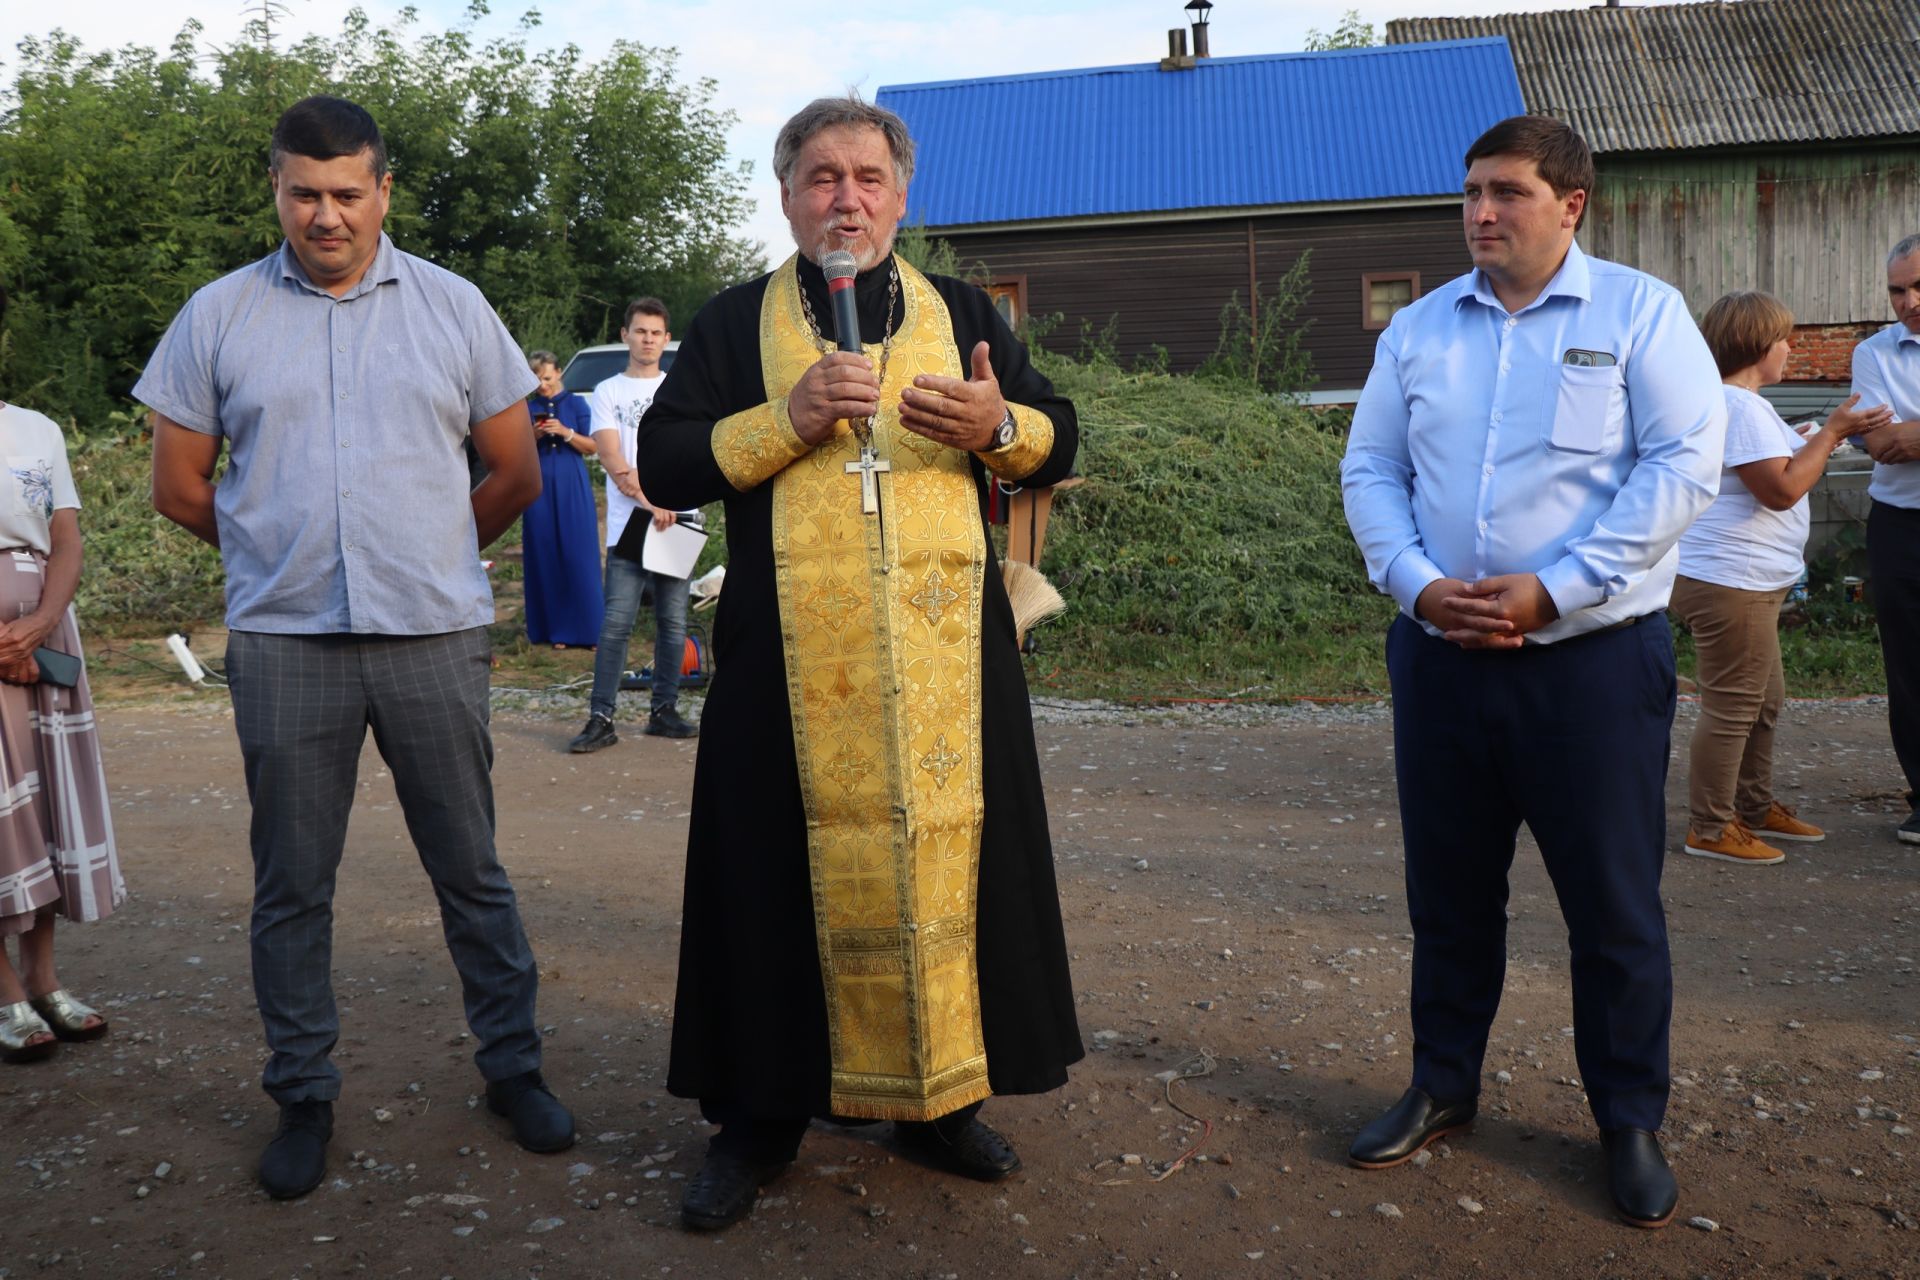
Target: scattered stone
1130	1158
1105	1037
1019	1220
1140	865
1703	1224
165	1167
1422	1158
382	1116
1871	1074
1503	1077
540	1226
1233	1192
1333	1213
1388	1210
1256	1255
463	1232
142	1191
578	1171
877	1211
1470	1204
1203	1005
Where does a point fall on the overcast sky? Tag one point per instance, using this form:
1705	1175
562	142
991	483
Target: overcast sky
771	56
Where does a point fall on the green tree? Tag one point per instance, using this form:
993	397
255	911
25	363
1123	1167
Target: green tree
1354	32
561	186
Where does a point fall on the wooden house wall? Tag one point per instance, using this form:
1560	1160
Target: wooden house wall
1166	283
1812	226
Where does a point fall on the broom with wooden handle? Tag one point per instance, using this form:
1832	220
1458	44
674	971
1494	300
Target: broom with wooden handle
1033	598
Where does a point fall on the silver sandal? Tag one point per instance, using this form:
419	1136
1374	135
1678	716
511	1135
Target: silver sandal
19	1024
67	1017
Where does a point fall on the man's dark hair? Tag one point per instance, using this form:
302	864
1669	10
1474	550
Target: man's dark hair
323	128
1560	154
646	307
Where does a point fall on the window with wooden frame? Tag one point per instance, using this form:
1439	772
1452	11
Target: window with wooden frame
1384	292
1009	294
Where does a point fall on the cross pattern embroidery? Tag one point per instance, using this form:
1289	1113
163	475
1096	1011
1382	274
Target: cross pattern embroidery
940	761
933	597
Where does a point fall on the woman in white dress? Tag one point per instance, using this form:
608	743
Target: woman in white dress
1737	563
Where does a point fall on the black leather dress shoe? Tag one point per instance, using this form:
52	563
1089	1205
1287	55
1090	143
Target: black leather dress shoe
1643	1187
975	1151
540	1123
723	1191
1414	1122
296	1159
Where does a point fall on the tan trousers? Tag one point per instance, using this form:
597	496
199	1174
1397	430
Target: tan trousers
1736	635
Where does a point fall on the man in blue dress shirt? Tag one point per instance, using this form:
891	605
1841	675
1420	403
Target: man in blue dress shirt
1532	441
1886	370
345	378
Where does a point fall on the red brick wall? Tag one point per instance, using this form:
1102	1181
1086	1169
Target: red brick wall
1824	352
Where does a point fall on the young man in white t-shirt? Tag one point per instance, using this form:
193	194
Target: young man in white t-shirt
617	405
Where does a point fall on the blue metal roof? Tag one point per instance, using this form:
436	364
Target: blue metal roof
1295	128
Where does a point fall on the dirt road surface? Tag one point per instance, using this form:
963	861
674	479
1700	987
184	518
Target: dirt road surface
1231	883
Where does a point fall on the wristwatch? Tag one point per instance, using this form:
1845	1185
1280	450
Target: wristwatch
1005	433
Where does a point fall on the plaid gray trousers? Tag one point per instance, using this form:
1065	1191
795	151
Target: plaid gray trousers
302	705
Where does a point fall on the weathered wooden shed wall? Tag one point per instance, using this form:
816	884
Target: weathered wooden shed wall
1164	283
1810	225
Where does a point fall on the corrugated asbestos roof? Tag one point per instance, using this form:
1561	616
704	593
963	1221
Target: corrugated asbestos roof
1301	128
1716	74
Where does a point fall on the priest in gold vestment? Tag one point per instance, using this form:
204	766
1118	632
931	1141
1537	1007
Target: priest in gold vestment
871	928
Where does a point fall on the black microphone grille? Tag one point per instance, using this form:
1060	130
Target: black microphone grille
839	265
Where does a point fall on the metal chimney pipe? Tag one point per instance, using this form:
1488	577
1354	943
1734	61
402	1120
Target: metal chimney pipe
1177	43
1200	40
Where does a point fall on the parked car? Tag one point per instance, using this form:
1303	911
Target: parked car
591	366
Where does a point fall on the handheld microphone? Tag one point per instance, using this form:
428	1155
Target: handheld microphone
840	269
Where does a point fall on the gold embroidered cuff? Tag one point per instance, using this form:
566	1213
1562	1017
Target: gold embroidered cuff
1032	445
755	444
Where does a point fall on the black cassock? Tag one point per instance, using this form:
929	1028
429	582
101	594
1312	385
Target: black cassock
750	1017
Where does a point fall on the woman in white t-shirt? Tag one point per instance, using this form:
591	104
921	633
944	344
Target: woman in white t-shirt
1737	563
57	854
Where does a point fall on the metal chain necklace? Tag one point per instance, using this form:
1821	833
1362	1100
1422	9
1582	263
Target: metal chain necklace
862	427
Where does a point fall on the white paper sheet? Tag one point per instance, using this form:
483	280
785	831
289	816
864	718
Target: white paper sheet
672	550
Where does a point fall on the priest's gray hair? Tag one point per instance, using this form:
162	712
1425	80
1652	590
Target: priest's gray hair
1907	246
831	113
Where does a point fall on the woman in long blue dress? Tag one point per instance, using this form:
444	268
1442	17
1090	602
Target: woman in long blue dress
560	532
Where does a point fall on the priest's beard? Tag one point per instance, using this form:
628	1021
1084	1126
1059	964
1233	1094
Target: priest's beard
878	246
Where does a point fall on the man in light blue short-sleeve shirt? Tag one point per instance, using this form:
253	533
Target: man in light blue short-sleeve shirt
1886	370
1533	440
344	378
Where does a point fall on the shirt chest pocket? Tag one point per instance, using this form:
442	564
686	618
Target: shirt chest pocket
1587	406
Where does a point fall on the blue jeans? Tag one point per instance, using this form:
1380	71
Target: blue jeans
626	583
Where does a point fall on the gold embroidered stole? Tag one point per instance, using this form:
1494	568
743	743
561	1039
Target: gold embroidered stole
880	618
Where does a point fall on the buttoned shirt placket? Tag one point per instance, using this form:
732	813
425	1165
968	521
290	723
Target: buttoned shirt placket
340	332
1483	506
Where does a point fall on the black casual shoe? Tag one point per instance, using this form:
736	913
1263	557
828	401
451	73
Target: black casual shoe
723	1191
669	724
1643	1187
540	1123
1414	1122
296	1160
1909	831
977	1151
598	733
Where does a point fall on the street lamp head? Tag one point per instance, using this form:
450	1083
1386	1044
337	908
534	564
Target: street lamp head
1201	11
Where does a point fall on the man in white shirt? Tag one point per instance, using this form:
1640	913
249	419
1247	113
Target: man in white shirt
1886	370
1532	441
617	405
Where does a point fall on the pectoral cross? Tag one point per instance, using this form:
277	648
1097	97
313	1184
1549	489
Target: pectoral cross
868	464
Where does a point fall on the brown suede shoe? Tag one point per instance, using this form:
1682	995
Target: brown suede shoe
1736	844
1780	824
